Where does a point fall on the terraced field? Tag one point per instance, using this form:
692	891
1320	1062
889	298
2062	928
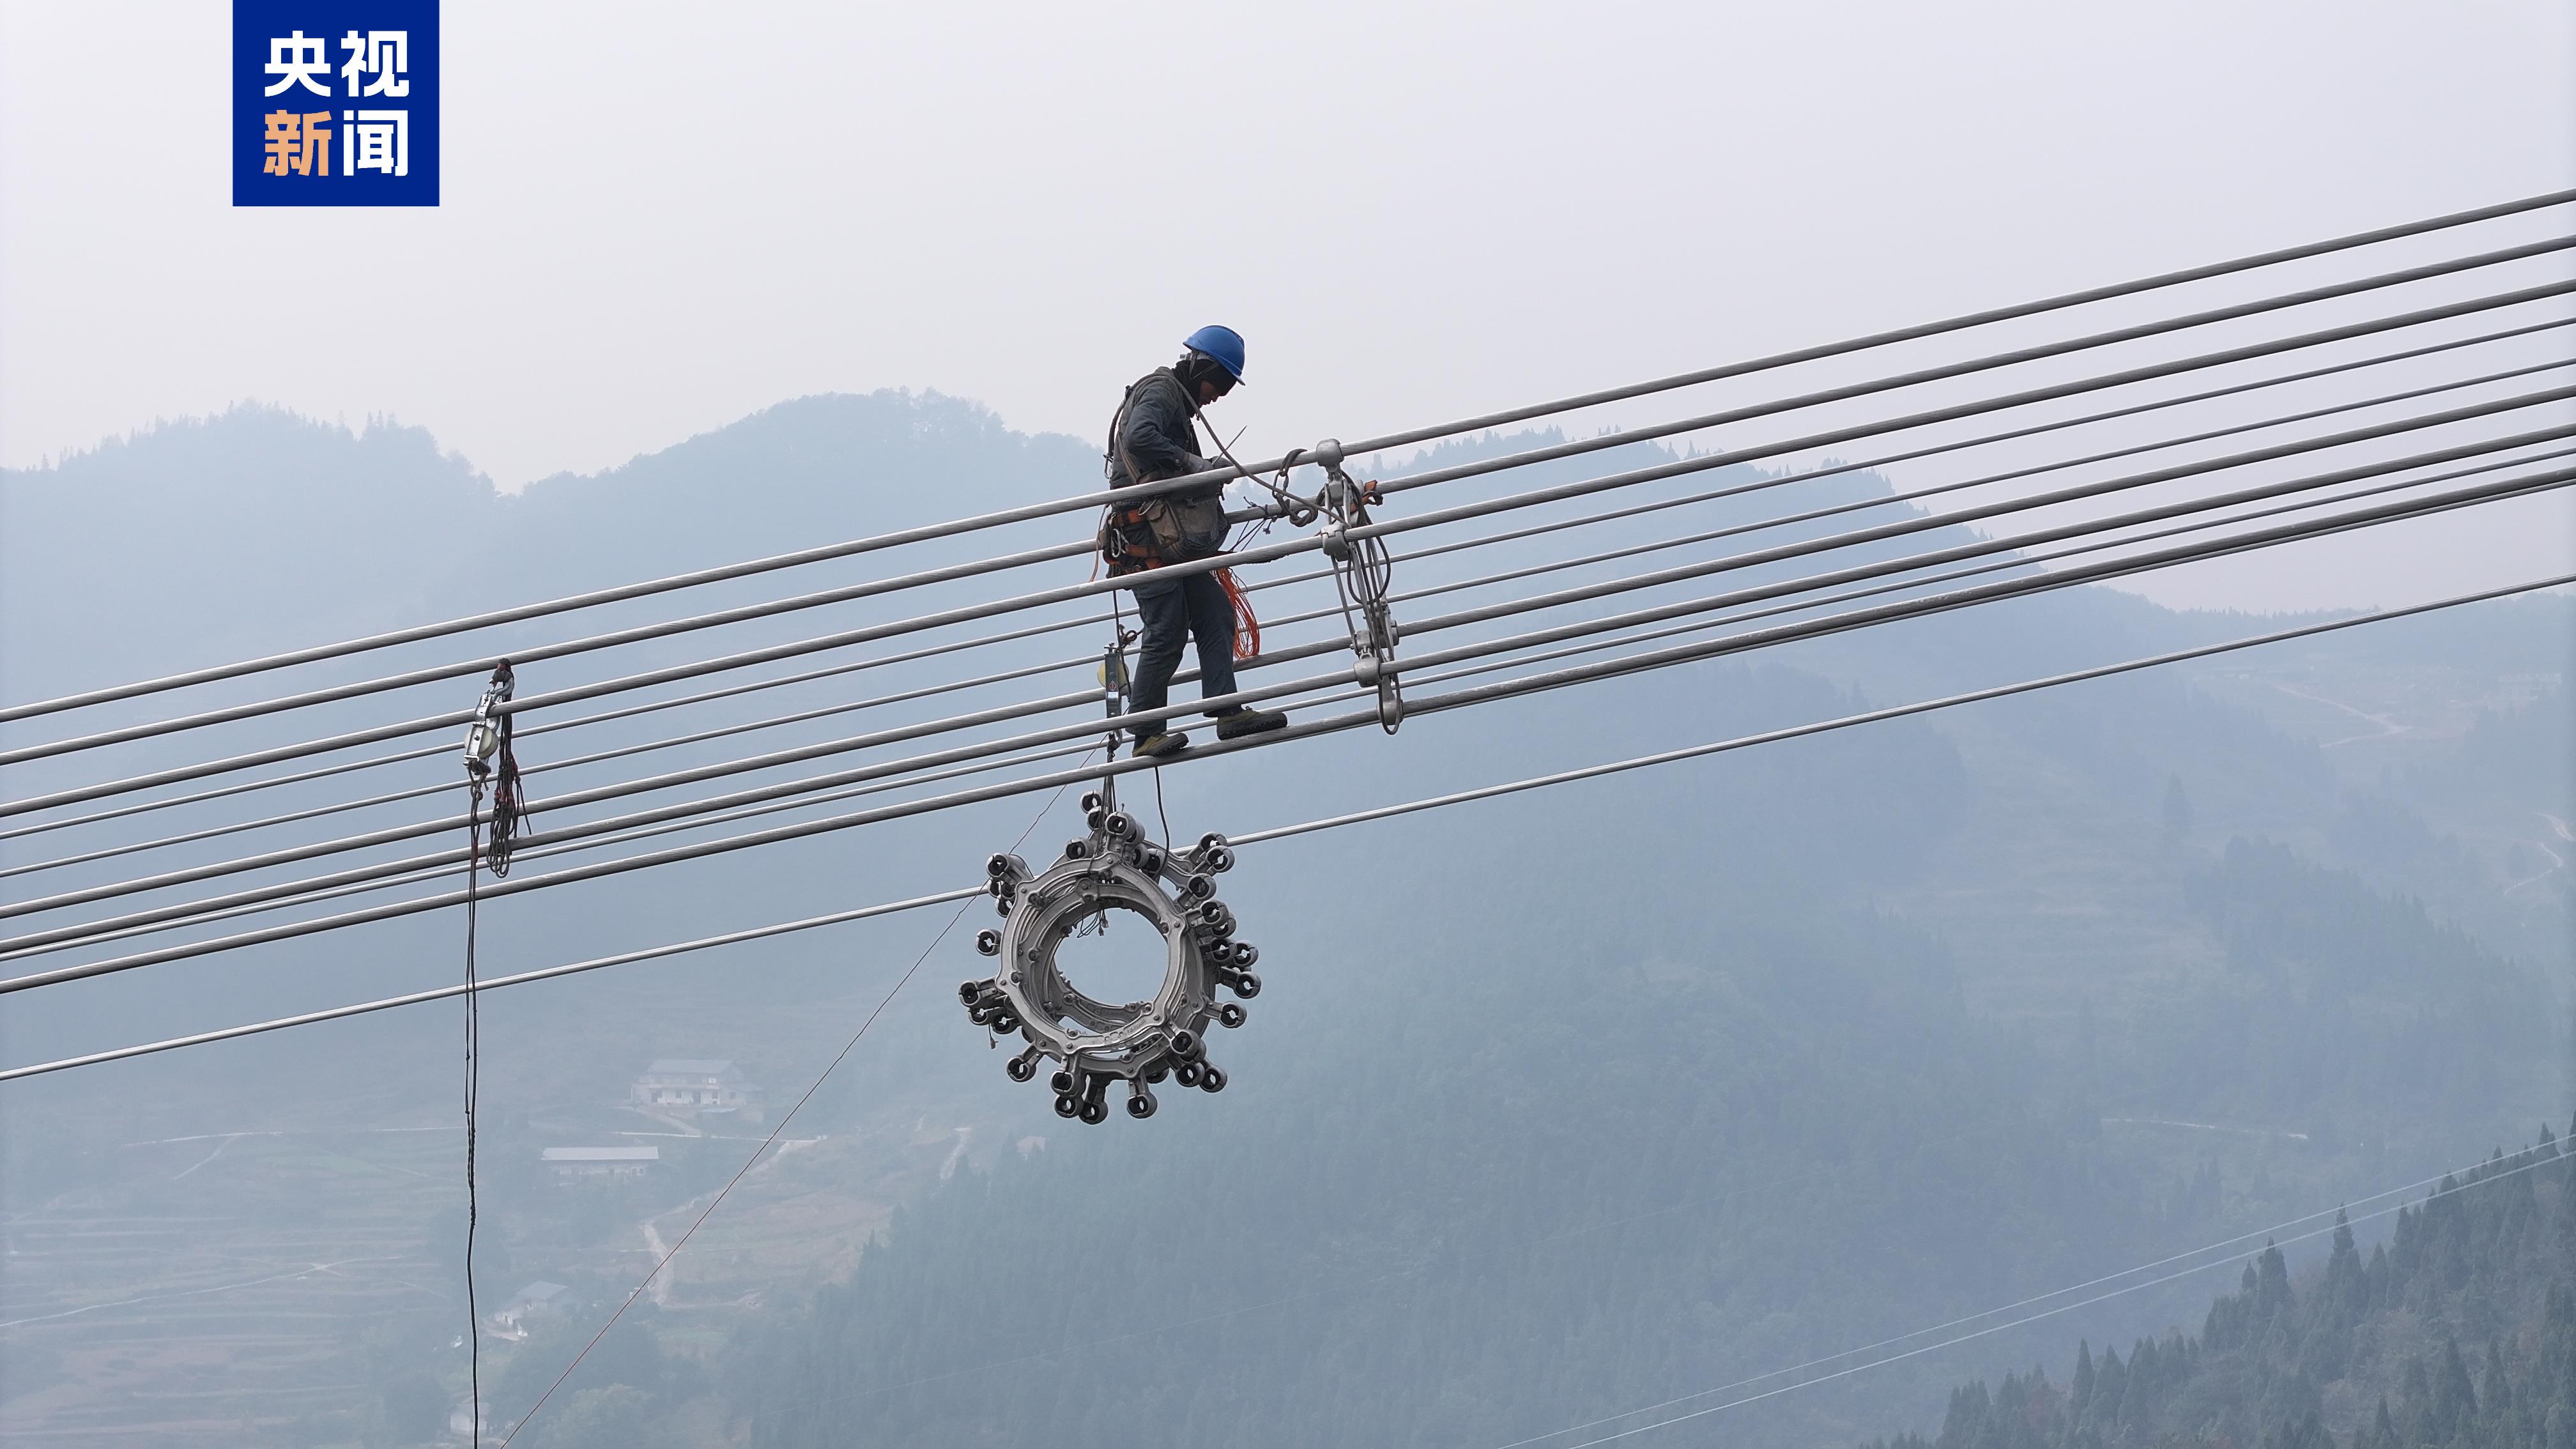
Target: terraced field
174	1307
264	1287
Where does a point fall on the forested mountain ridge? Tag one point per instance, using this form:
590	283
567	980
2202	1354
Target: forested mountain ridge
2372	1352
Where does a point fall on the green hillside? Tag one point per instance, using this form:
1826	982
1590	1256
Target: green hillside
2458	1333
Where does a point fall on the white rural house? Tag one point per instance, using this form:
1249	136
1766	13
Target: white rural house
572	1164
694	1086
534	1301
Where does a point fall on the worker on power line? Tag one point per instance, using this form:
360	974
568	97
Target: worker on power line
1155	436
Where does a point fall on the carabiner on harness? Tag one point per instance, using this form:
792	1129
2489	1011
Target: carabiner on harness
1362	574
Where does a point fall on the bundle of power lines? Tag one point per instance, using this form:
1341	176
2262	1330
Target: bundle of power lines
2305	408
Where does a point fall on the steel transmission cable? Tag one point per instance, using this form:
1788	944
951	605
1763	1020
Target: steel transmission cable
1705	421
1866	717
1885	459
950	573
1077	661
1505	417
494	983
806	676
2518	487
1659	545
1801	605
1327	823
1915	524
573	762
1294	617
25	944
2018	561
1421	521
622	712
1798	605
1863	505
621	837
38	944
1435	518
1701	626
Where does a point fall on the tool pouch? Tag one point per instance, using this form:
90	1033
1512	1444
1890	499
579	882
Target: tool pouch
1185	528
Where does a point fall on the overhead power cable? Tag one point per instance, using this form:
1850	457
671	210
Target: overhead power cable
848	593
494	983
598	842
2018	560
1840	467
1416	555
1310	576
1326	823
2227	546
1648	433
1456	586
1383	528
279	893
423	752
1874	716
1428	704
1893	499
1393	440
32	942
619	752
1586	593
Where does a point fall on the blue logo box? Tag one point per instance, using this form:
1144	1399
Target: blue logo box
335	103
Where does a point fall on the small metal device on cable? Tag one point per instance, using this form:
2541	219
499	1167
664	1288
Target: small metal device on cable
486	741
1363	573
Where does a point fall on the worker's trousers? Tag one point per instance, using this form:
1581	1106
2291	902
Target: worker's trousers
1195	607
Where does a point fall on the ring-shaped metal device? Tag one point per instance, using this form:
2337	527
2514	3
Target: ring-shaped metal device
1095	1042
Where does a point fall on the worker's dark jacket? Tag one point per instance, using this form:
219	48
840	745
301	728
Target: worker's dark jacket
1154	430
1155	425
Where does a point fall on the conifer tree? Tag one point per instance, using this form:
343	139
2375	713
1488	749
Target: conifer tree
2109	1383
2455	1399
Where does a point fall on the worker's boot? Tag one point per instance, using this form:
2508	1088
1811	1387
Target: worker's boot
1249	722
1163	742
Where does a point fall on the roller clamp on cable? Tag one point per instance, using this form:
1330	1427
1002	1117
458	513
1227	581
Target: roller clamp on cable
490	761
1362	574
1115	866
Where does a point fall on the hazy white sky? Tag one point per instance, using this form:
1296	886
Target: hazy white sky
658	218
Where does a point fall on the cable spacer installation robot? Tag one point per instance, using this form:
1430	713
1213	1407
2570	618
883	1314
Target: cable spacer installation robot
1116	866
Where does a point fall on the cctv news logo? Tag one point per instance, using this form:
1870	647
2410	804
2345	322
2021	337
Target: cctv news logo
335	104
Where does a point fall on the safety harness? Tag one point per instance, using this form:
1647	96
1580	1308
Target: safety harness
1167	528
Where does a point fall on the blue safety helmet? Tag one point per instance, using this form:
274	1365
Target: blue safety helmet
1222	343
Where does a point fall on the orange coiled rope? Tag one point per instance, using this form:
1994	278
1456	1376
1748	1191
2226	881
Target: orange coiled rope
1247	625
